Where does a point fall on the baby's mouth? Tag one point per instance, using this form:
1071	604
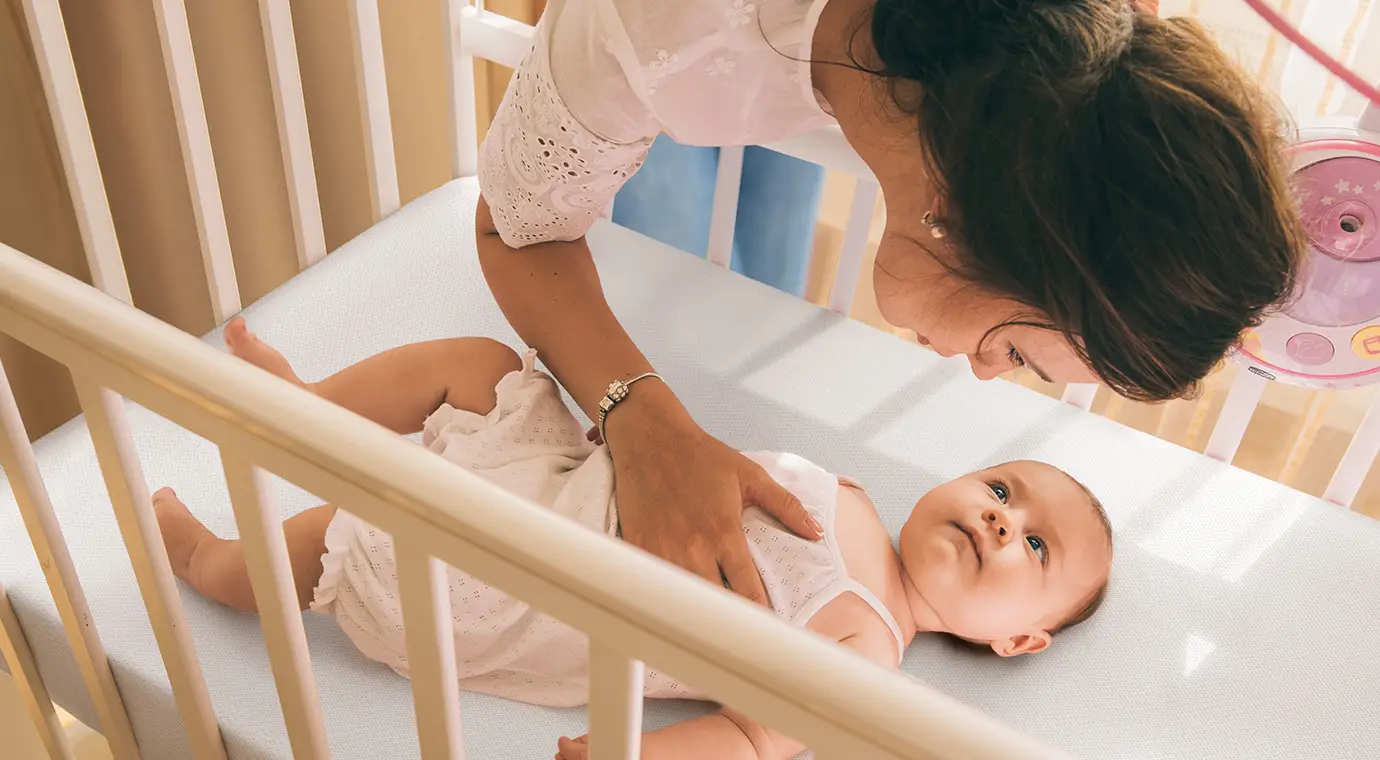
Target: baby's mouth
971	539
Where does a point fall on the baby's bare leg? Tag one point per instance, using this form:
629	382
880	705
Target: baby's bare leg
215	567
400	387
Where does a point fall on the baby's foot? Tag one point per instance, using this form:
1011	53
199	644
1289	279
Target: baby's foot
246	345
182	532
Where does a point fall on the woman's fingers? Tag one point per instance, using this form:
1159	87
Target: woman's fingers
740	571
762	491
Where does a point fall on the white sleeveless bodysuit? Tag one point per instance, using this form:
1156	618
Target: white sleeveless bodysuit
531	444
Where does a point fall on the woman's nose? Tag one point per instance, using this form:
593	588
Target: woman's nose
982	370
998	523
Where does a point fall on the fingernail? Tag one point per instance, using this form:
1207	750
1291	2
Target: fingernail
819	529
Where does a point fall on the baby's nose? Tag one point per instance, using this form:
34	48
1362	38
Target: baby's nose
998	523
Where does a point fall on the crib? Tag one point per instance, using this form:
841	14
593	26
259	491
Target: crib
1189	658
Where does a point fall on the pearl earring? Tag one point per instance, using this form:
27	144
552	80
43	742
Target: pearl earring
936	229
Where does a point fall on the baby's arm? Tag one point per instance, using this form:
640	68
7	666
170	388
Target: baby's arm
730	734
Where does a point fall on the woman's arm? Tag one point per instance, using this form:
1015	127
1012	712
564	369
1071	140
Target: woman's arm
681	492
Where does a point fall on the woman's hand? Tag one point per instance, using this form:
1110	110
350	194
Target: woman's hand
681	493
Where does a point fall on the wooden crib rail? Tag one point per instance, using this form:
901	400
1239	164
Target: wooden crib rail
634	607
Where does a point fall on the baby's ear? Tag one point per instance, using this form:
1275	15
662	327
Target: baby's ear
1027	643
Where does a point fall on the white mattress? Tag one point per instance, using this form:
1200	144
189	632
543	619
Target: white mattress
1242	615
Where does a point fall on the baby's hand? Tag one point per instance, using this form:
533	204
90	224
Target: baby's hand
573	749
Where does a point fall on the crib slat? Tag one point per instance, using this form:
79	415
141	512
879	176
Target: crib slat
290	107
275	595
428	629
124	479
45	535
463	122
197	158
615	703
367	36
1356	462
1081	395
15	649
1236	415
78	151
727	183
854	246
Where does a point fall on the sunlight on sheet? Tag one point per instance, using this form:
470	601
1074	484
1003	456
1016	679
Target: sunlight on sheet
808	376
1225	546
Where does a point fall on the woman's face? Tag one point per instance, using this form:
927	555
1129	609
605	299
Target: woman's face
916	292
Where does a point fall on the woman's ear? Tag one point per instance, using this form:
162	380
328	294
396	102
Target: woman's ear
1027	643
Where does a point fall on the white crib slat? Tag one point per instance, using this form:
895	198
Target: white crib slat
124	479
463	123
1236	414
428	629
82	170
615	703
15	649
280	617
290	106
727	183
45	535
367	36
1081	395
854	246
1356	462
197	158
495	37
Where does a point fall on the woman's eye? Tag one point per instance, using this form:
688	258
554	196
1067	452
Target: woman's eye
999	491
1015	357
1037	545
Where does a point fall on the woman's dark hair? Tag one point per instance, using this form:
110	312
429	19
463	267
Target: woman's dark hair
1113	171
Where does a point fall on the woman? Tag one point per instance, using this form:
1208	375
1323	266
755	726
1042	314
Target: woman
1071	185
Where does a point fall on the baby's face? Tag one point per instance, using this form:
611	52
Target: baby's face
1006	554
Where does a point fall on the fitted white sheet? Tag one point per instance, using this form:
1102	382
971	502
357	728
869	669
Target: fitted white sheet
1240	621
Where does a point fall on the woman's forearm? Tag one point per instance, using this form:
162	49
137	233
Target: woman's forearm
551	295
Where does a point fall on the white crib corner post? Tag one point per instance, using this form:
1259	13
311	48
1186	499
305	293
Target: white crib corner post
727	183
294	141
45	536
76	147
427	629
1356	462
1081	395
615	703
463	122
366	32
275	595
179	63
119	462
24	670
1236	415
854	246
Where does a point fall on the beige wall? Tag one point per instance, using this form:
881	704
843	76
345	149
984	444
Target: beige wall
119	64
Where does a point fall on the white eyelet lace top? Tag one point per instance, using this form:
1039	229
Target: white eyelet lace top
531	445
605	77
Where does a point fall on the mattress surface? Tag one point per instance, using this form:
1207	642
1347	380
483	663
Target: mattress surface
1241	617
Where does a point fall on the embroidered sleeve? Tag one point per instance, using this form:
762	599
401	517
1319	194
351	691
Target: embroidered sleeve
545	176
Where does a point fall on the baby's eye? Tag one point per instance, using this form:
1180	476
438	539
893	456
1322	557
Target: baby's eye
1037	545
999	490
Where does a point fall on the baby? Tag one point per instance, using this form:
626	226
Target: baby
1002	558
